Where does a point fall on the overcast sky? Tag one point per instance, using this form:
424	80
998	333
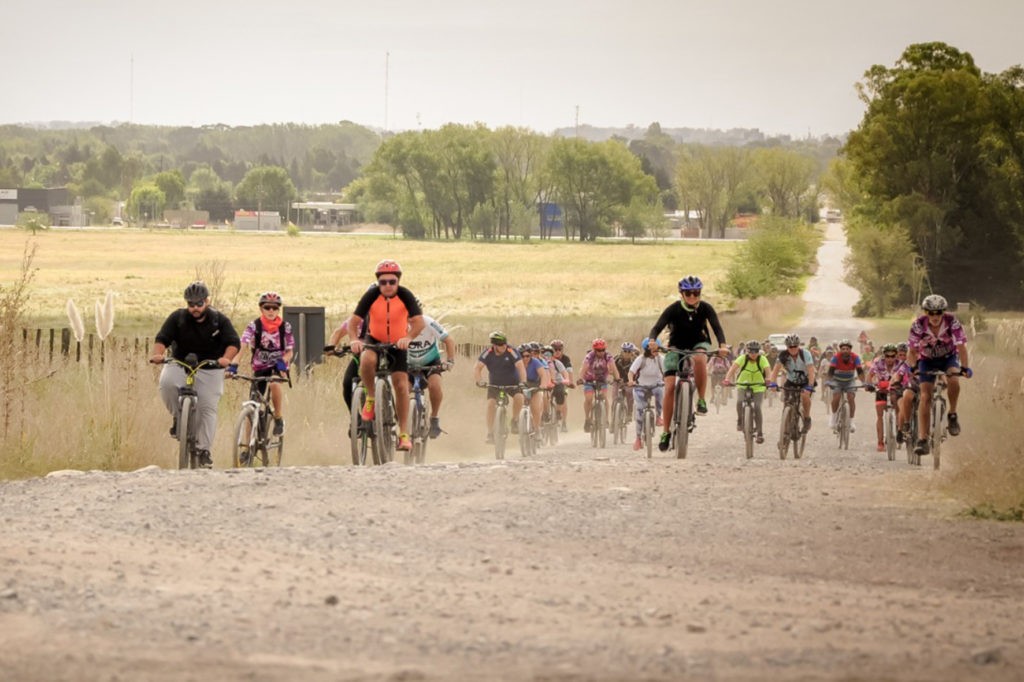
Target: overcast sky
783	66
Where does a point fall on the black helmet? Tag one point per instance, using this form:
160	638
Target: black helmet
197	291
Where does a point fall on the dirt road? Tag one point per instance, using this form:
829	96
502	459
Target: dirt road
581	564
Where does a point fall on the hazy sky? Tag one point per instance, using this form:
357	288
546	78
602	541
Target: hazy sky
782	66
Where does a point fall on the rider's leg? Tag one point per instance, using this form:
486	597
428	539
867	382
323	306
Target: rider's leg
367	371
172	377
588	401
700	373
276	394
758	414
953	391
853	403
805	400
739	412
879	411
492	408
668	402
924	411
436	394
537	408
209	387
400	380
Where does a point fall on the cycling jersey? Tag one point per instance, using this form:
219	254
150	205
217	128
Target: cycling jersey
208	338
896	375
845	369
596	368
752	372
937	344
556	368
425	349
267	349
386	318
501	367
688	327
796	367
533	368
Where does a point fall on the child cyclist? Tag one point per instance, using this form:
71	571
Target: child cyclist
646	372
750	370
272	344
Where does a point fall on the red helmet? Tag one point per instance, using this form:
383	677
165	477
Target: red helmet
599	344
270	297
388	266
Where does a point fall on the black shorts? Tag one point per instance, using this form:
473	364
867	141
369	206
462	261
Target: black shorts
558	393
399	358
492	393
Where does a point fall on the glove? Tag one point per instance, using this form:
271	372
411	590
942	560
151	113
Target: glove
809	389
281	366
772	384
869	388
232	369
448	364
967	372
482	384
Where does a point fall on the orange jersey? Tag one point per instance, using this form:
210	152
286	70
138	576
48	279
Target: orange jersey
386	319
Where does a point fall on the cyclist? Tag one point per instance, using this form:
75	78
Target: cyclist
353	367
646	371
597	372
504	368
688	323
937	341
558	346
798	363
719	366
209	334
909	387
888	368
392	315
844	367
425	352
751	369
272	343
623	361
537	376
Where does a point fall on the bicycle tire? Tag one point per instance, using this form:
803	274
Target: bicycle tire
186	437
938	428
551	428
245	441
418	433
277	448
716	398
500	431
383	422
748	430
524	432
684	398
889	433
624	422
616	420
650	422
844	423
785	431
361	443
799	435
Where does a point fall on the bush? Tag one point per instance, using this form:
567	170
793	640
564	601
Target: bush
774	261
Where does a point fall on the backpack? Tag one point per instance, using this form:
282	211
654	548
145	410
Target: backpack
259	335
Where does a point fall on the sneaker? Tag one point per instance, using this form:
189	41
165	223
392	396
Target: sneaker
807	424
922	447
205	461
853	427
367	414
490	438
702	407
832	418
586	426
279	426
638	443
759	439
435	427
954	425
244	457
174	428
881	447
404	442
899	437
664	442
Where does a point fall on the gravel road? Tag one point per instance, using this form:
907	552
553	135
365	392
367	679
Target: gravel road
580	564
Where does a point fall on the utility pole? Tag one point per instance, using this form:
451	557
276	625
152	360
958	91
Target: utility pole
577	121
387	69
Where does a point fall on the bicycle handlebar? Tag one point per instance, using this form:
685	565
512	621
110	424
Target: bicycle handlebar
190	366
337	351
269	380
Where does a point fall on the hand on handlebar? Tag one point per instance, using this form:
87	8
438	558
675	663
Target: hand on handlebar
966	372
482	383
281	365
232	369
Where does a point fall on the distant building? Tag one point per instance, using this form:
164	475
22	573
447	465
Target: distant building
53	202
264	221
322	215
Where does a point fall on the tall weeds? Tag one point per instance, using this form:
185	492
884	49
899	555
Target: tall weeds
13	303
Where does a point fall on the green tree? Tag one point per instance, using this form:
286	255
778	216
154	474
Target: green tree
881	266
714	181
147	202
787	178
266	188
172	184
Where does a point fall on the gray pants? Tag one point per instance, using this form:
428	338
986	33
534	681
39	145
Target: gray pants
209	387
758	417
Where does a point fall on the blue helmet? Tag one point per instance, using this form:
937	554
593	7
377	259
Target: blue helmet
647	342
690	283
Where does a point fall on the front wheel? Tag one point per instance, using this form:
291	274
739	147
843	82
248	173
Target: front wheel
525	435
358	437
684	397
245	438
938	429
186	432
889	433
748	430
785	429
500	431
650	421
384	423
419	434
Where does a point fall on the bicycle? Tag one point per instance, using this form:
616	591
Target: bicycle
938	431
598	428
527	437
684	391
890	428
385	422
419	403
254	439
550	423
791	429
649	418
746	398
842	427
719	394
620	414
185	418
500	418
362	443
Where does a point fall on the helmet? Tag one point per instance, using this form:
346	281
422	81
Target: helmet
557	344
903	347
934	304
628	347
388	266
498	337
270	297
523	348
197	291
792	341
598	344
647	342
814	340
690	283
753	346
845	342
889	348
548	349
534	346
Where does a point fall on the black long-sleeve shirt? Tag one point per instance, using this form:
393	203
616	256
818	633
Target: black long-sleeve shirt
687	328
208	339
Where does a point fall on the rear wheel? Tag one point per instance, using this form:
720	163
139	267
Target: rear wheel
785	430
684	398
419	433
599	429
844	423
186	439
650	421
799	435
359	439
889	433
618	422
500	431
245	441
748	430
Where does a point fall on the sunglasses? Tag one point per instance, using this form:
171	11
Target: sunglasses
934	313
196	304
691	294
271	307
387	282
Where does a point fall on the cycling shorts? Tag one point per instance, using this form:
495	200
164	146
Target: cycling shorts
398	357
589	386
492	393
843	386
558	393
935	365
671	362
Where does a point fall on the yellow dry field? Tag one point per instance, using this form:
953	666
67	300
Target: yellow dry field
147	271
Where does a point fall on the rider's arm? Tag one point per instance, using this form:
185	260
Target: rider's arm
731	374
961	351
449	350
156	356
716	327
338	334
478	371
416	325
521	370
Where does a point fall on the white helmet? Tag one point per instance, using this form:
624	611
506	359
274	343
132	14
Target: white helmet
934	303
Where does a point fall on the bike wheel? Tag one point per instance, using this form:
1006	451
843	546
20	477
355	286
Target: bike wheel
618	422
276	451
419	432
186	437
785	429
938	429
384	423
889	433
500	431
524	432
684	400
245	438
650	422
359	439
600	427
718	398
748	430
844	424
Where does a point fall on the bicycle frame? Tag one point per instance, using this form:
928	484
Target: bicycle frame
649	417
500	418
253	438
188	456
685	385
